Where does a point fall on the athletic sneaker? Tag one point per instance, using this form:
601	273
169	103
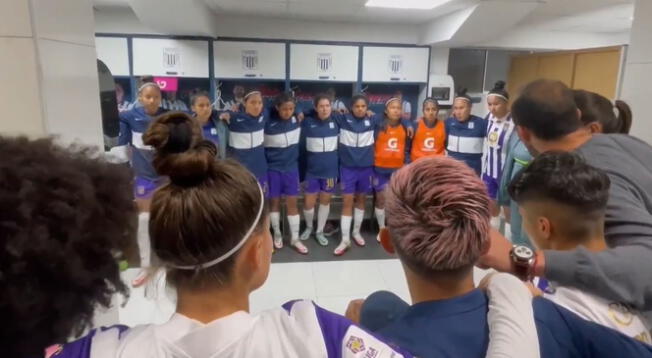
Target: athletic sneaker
278	241
140	279
305	235
341	248
359	240
330	229
378	237
321	239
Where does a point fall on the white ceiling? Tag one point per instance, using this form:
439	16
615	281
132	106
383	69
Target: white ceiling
333	10
601	16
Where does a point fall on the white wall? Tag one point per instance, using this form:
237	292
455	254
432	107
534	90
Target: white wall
521	37
49	80
123	20
637	81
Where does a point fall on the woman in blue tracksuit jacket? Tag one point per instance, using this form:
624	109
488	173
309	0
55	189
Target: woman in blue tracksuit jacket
465	133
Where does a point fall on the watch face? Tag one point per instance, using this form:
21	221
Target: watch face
523	252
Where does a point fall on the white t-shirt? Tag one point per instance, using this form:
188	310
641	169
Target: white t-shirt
599	310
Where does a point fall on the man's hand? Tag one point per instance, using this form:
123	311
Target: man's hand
225	117
410	132
300	116
498	255
370	113
353	311
235	107
343	111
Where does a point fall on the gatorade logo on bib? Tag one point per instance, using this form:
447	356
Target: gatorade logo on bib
429	143
392	143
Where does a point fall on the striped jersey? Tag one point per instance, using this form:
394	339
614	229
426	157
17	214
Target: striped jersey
320	138
282	143
133	124
246	138
465	140
499	130
298	329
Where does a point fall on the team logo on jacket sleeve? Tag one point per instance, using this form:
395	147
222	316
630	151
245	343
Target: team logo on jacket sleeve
355	344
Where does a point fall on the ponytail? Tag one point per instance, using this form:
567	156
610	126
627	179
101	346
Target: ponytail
624	117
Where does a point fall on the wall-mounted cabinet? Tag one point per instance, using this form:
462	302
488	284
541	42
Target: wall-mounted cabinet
169	57
253	60
114	53
323	63
395	64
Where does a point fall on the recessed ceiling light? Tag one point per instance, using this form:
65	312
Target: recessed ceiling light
406	4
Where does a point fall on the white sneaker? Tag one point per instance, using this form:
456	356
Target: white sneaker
278	241
378	237
341	248
359	240
305	235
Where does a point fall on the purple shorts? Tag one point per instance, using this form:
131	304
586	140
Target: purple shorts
356	180
315	185
283	183
144	188
381	180
492	186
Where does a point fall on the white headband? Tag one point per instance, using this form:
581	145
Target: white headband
498	95
391	100
251	94
147	84
235	248
464	98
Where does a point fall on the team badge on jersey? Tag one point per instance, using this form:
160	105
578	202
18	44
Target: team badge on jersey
355	344
367	123
471	125
331	125
260	119
493	138
213	131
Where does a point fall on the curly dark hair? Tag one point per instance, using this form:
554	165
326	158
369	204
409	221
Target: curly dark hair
65	217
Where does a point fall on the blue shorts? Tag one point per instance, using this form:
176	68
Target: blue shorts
144	188
356	180
492	186
283	183
316	185
381	180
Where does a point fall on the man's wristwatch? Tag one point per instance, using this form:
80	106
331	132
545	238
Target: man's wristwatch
524	259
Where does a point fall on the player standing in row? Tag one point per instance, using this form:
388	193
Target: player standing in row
500	129
391	153
282	134
133	124
213	129
247	134
430	134
320	134
465	133
356	152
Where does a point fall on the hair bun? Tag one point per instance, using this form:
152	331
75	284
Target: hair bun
181	152
462	92
499	86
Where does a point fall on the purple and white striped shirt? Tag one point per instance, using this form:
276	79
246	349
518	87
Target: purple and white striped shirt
498	132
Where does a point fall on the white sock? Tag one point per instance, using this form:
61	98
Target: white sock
144	246
275	218
345	224
358	217
295	221
322	217
380	216
309	216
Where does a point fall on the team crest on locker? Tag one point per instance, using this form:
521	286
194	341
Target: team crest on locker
171	58
249	60
395	64
324	62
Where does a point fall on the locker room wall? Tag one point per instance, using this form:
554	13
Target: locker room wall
593	70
